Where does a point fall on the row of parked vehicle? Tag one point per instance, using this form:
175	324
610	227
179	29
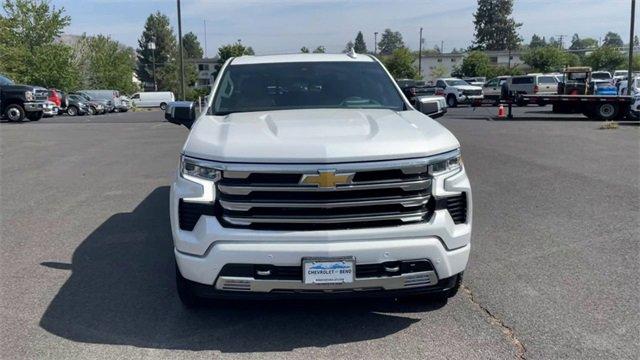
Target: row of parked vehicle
20	102
564	91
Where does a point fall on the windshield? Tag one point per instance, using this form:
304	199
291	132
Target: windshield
305	85
5	81
456	82
600	76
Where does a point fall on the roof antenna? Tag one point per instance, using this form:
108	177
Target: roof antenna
352	53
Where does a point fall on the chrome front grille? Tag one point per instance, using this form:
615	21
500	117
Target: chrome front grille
41	94
472	92
392	193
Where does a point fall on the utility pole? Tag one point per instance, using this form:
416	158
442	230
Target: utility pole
375	43
442	47
182	91
420	55
631	36
205	38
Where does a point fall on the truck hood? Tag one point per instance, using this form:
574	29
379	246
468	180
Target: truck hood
467	87
317	136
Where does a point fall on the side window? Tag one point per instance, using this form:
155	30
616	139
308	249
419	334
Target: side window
547	80
135	97
440	84
522	80
492	83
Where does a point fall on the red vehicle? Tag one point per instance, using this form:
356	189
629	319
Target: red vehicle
55	97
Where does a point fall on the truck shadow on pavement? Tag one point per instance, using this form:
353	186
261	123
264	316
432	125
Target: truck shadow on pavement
121	291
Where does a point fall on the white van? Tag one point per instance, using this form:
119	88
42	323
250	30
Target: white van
153	99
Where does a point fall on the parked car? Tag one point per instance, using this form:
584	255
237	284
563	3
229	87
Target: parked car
492	89
97	106
603	87
457	91
106	101
335	188
78	105
413	88
601	75
153	99
50	109
113	96
634	110
18	102
533	85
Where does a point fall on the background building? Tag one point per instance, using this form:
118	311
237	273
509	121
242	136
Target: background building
442	65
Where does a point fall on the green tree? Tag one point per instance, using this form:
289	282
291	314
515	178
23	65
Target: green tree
400	64
359	45
157	30
476	63
104	63
537	42
319	50
582	44
28	51
612	39
233	50
304	50
549	58
605	58
191	46
494	27
390	41
348	47
438	72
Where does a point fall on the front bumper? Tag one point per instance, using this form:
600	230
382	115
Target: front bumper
203	252
35	106
470	99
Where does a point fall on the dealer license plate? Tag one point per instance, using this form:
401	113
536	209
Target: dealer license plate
328	271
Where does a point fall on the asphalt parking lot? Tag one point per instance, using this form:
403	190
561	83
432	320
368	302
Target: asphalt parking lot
87	262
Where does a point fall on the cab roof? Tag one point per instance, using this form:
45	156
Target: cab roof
270	59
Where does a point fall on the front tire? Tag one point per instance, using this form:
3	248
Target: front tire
15	113
35	116
452	101
185	291
163	106
72	111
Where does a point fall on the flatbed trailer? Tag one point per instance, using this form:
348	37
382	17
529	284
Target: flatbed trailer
603	107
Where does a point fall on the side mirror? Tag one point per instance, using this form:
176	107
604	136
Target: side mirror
181	113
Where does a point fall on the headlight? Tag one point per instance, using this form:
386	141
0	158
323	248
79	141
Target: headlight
191	168
449	165
28	95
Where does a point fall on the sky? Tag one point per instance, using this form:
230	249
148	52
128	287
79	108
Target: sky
284	26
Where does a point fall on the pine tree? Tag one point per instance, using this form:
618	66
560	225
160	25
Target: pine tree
157	30
191	45
359	45
537	41
495	29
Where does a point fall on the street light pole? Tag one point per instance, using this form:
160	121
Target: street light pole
420	55
631	36
152	46
182	90
375	43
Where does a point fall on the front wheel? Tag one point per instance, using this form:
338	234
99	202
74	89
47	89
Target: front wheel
163	106
35	116
72	111
452	101
15	113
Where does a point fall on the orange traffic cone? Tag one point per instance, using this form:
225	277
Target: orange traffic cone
501	113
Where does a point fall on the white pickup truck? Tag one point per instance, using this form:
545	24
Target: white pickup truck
458	91
311	175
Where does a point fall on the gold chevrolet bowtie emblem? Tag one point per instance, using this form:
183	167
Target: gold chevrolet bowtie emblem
326	179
